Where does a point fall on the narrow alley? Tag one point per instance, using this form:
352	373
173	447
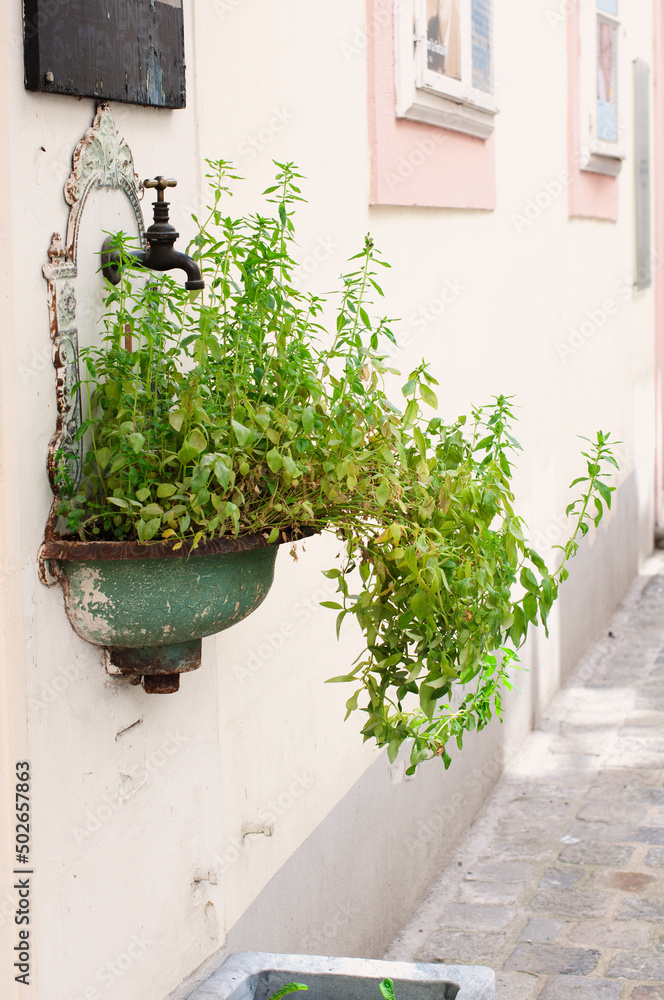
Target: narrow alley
559	885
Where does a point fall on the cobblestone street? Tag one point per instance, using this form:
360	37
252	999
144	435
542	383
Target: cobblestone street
559	886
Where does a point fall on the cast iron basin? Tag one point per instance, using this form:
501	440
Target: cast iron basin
150	605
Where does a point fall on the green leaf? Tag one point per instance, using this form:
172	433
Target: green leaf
510	551
187	453
518	627
599	509
274	460
418	437
150	511
308	419
136	441
164	490
222	471
530	608
351	704
382	494
243	434
427	701
605	492
420	604
528	581
103	456
197	440
515	531
80	431
428	396
290	987
143	494
538	561
151	528
387	989
176	419
119	502
411	413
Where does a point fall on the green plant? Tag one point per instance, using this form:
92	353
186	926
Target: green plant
288	988
237	412
386	987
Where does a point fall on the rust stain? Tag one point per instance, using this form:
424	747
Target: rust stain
69	549
161	683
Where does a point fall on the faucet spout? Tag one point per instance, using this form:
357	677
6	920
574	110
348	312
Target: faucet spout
161	255
164	258
192	270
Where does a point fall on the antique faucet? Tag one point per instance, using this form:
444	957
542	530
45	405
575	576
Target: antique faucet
161	236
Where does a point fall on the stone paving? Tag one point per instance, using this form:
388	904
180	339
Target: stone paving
559	886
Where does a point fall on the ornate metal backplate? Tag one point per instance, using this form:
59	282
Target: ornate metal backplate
102	159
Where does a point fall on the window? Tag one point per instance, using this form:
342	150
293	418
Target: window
443	64
601	139
415	162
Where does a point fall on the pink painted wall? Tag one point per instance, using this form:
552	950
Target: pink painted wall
593	196
414	163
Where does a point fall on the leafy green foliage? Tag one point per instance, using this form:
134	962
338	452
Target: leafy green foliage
236	412
386	987
288	988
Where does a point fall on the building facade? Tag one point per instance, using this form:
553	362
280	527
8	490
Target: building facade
506	159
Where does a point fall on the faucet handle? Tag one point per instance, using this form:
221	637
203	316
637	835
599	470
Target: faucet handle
160	183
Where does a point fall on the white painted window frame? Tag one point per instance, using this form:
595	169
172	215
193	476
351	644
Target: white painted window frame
597	155
424	96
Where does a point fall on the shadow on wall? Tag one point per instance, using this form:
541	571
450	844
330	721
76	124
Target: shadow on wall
353	883
599	577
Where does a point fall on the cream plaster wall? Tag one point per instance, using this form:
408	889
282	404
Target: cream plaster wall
254	738
509	290
13	735
126	790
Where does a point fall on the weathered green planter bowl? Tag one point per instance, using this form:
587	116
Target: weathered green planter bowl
151	605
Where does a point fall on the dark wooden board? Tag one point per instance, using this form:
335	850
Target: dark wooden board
116	50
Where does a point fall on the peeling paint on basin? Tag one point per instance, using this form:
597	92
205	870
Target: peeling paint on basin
153	602
150	605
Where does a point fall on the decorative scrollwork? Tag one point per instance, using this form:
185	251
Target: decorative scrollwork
102	159
66	305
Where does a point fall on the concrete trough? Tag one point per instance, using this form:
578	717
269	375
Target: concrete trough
253	975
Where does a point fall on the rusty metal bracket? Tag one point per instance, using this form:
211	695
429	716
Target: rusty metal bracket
102	159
